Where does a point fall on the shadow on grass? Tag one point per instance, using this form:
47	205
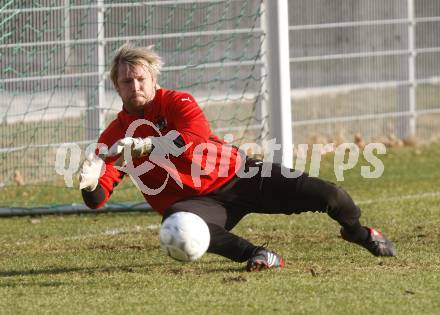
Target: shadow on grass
42	284
55	271
147	268
203	271
238	268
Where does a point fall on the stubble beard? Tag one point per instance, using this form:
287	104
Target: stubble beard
138	106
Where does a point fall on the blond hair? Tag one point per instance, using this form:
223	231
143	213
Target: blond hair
144	56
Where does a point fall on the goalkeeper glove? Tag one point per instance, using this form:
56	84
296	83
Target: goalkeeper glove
91	170
138	147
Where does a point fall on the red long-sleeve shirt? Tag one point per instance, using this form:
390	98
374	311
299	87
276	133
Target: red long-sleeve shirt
173	110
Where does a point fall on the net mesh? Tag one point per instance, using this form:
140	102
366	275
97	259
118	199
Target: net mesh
368	69
53	54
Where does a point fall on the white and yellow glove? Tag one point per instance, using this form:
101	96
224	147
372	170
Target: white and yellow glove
138	147
91	170
144	146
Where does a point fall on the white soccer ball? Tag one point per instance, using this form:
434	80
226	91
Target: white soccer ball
184	236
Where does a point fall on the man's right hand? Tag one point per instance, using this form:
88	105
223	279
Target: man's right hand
91	170
137	146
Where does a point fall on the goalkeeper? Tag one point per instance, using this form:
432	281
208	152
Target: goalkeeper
165	144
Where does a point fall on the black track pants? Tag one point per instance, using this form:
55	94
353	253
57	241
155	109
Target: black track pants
269	191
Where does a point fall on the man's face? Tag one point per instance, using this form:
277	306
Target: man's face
136	87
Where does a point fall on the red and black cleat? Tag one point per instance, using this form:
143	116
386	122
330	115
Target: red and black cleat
377	243
262	258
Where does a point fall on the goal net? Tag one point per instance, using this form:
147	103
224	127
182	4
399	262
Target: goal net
54	85
365	71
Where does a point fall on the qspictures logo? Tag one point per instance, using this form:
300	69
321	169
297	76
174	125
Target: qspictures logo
205	159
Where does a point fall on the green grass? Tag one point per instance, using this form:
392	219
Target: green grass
52	195
111	263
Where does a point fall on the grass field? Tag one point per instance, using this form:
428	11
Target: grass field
111	263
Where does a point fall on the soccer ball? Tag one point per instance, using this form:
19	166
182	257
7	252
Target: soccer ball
184	236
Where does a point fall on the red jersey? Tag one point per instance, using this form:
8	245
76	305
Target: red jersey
173	110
